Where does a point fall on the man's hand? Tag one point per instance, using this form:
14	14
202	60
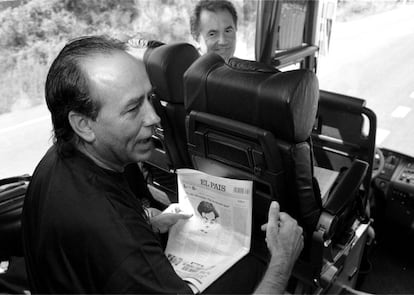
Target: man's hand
285	242
162	221
283	234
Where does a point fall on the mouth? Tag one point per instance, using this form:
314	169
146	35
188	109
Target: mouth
225	53
222	50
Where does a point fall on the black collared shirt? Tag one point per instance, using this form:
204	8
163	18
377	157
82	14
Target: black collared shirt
84	231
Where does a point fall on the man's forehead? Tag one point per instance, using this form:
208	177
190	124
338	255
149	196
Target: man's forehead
113	65
223	16
121	73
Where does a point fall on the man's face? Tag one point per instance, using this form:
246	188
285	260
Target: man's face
125	122
208	218
217	33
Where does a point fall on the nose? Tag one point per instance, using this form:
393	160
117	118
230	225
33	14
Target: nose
222	39
151	117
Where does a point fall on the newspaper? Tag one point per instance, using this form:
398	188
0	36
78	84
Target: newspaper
217	235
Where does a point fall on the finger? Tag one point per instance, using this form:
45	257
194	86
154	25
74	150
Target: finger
177	208
286	222
172	208
283	216
300	240
273	216
183	216
299	247
186	216
153	212
301	244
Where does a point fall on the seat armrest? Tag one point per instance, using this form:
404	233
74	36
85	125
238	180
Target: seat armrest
342	194
347	187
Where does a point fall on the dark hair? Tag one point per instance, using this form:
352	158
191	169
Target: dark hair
211	5
207	207
67	87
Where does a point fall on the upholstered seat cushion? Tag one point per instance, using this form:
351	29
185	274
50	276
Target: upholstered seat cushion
285	103
166	65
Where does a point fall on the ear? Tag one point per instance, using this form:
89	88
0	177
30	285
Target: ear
81	125
200	45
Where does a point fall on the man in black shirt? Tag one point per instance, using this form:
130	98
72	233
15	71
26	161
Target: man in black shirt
84	230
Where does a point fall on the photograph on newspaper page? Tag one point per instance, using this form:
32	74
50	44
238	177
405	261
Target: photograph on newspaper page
218	234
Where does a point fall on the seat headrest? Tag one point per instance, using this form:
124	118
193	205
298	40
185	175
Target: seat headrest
166	65
284	103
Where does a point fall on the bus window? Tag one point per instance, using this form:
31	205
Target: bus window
370	57
33	32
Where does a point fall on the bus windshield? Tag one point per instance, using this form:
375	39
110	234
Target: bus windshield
370	57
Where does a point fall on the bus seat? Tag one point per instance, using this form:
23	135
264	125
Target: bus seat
345	130
248	121
13	280
12	192
166	65
271	112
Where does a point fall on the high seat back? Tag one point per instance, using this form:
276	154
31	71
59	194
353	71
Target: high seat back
250	121
166	65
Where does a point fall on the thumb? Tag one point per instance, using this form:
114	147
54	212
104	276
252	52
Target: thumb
183	216
273	216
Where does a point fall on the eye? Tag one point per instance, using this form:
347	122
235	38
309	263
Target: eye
211	34
230	30
135	107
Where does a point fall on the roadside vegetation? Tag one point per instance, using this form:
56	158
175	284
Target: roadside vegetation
32	33
353	9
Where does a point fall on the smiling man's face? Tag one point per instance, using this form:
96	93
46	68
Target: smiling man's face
217	33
